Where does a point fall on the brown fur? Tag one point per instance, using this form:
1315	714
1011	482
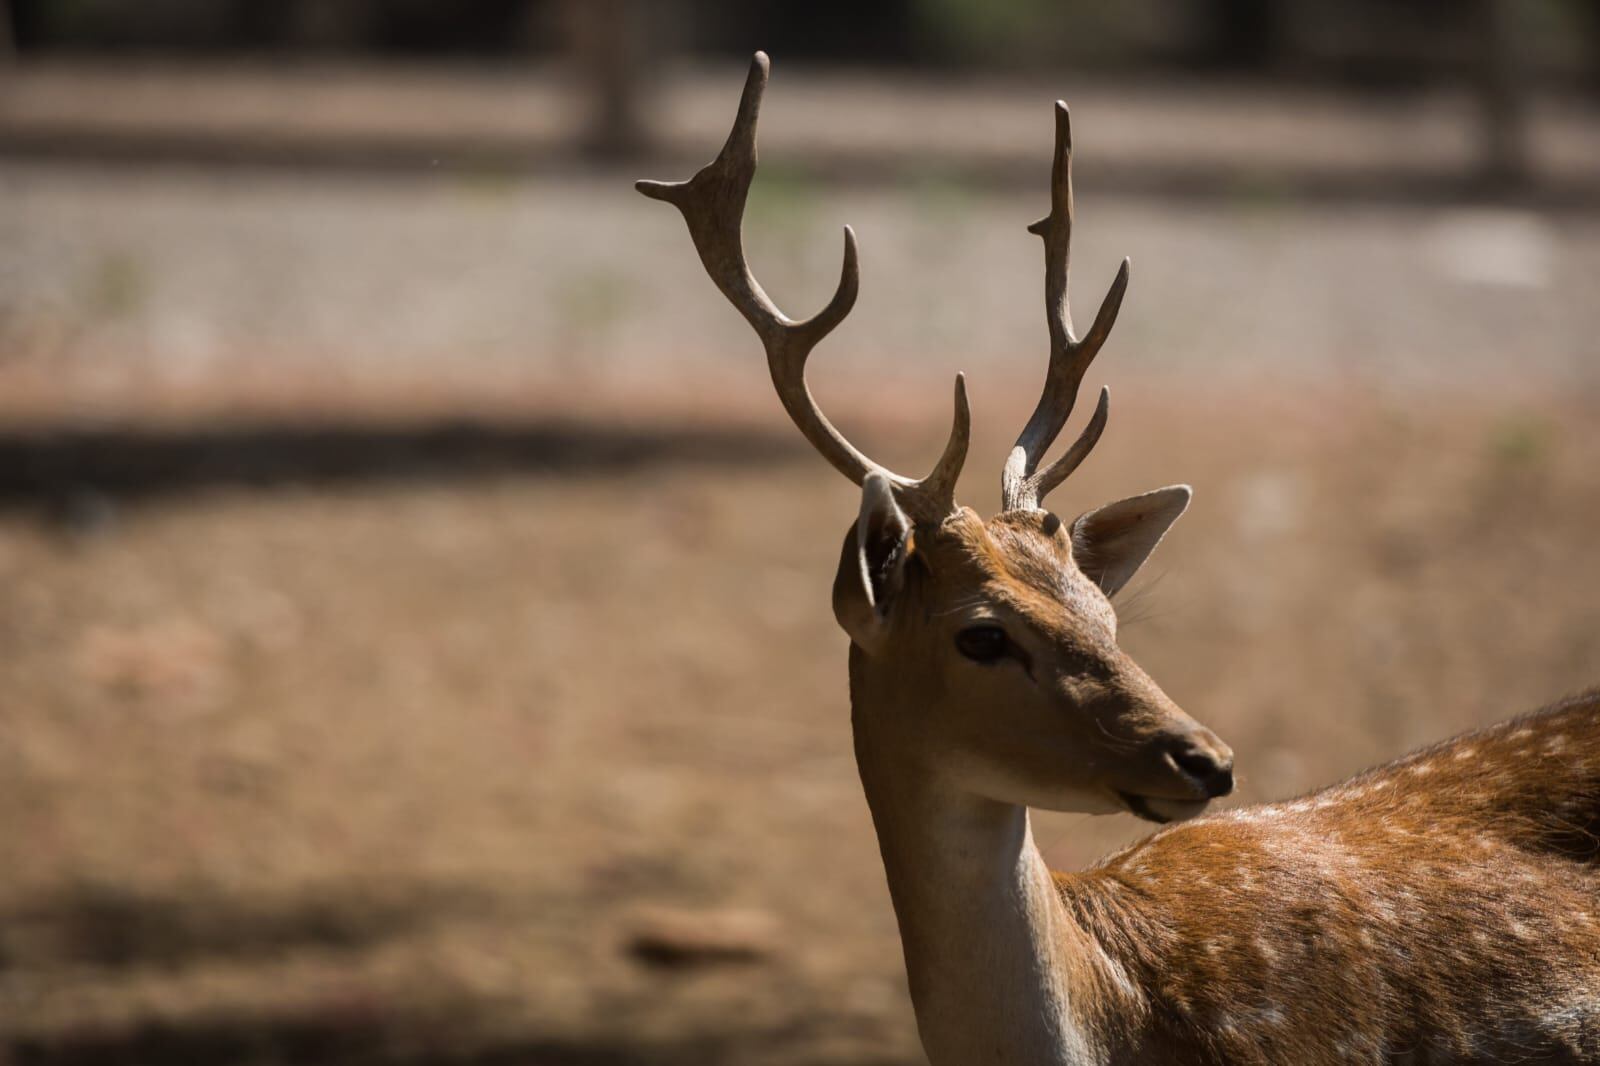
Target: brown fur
1442	908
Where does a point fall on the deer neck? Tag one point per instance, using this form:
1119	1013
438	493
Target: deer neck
998	970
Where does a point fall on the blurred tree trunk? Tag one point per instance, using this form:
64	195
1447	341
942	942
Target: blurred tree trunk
1591	12
8	40
605	41
1502	95
1245	35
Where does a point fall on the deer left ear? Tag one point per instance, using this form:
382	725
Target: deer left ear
1111	543
872	564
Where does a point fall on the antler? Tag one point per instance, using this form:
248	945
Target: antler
712	203
1021	488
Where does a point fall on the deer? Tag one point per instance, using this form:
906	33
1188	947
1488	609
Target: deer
1442	908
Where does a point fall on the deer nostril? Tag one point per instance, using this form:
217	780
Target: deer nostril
1214	772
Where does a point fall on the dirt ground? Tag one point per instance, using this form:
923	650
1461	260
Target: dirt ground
395	773
411	597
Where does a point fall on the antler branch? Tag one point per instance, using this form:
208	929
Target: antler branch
713	203
1022	484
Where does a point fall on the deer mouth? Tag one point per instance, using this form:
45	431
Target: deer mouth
1160	810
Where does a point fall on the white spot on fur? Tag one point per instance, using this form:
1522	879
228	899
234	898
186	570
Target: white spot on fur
1577	1015
1271	1015
1119	976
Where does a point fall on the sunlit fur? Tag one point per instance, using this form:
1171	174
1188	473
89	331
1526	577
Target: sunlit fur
1444	908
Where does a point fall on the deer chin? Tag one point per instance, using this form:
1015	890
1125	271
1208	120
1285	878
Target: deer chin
1159	810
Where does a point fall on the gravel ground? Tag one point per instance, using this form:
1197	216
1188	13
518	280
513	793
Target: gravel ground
119	286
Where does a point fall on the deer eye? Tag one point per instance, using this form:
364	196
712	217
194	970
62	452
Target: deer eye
982	644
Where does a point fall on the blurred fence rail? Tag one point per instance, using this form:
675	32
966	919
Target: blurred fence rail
1166	137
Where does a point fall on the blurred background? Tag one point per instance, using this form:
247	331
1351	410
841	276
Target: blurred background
414	628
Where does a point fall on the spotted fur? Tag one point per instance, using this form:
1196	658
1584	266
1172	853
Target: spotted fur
1443	908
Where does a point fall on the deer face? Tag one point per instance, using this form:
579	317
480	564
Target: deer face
986	655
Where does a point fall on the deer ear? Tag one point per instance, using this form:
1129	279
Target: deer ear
872	564
1111	543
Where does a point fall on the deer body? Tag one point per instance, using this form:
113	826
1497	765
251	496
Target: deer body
1442	909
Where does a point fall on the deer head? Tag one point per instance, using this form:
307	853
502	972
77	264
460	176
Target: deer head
983	653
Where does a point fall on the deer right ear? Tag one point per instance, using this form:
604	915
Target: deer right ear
1111	543
872	564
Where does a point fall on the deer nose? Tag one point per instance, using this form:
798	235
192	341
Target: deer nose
1206	759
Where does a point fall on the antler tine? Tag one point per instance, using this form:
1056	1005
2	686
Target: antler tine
1062	468
1022	486
712	203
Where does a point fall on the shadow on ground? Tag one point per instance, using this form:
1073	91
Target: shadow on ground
103	928
67	468
111	928
349	1042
